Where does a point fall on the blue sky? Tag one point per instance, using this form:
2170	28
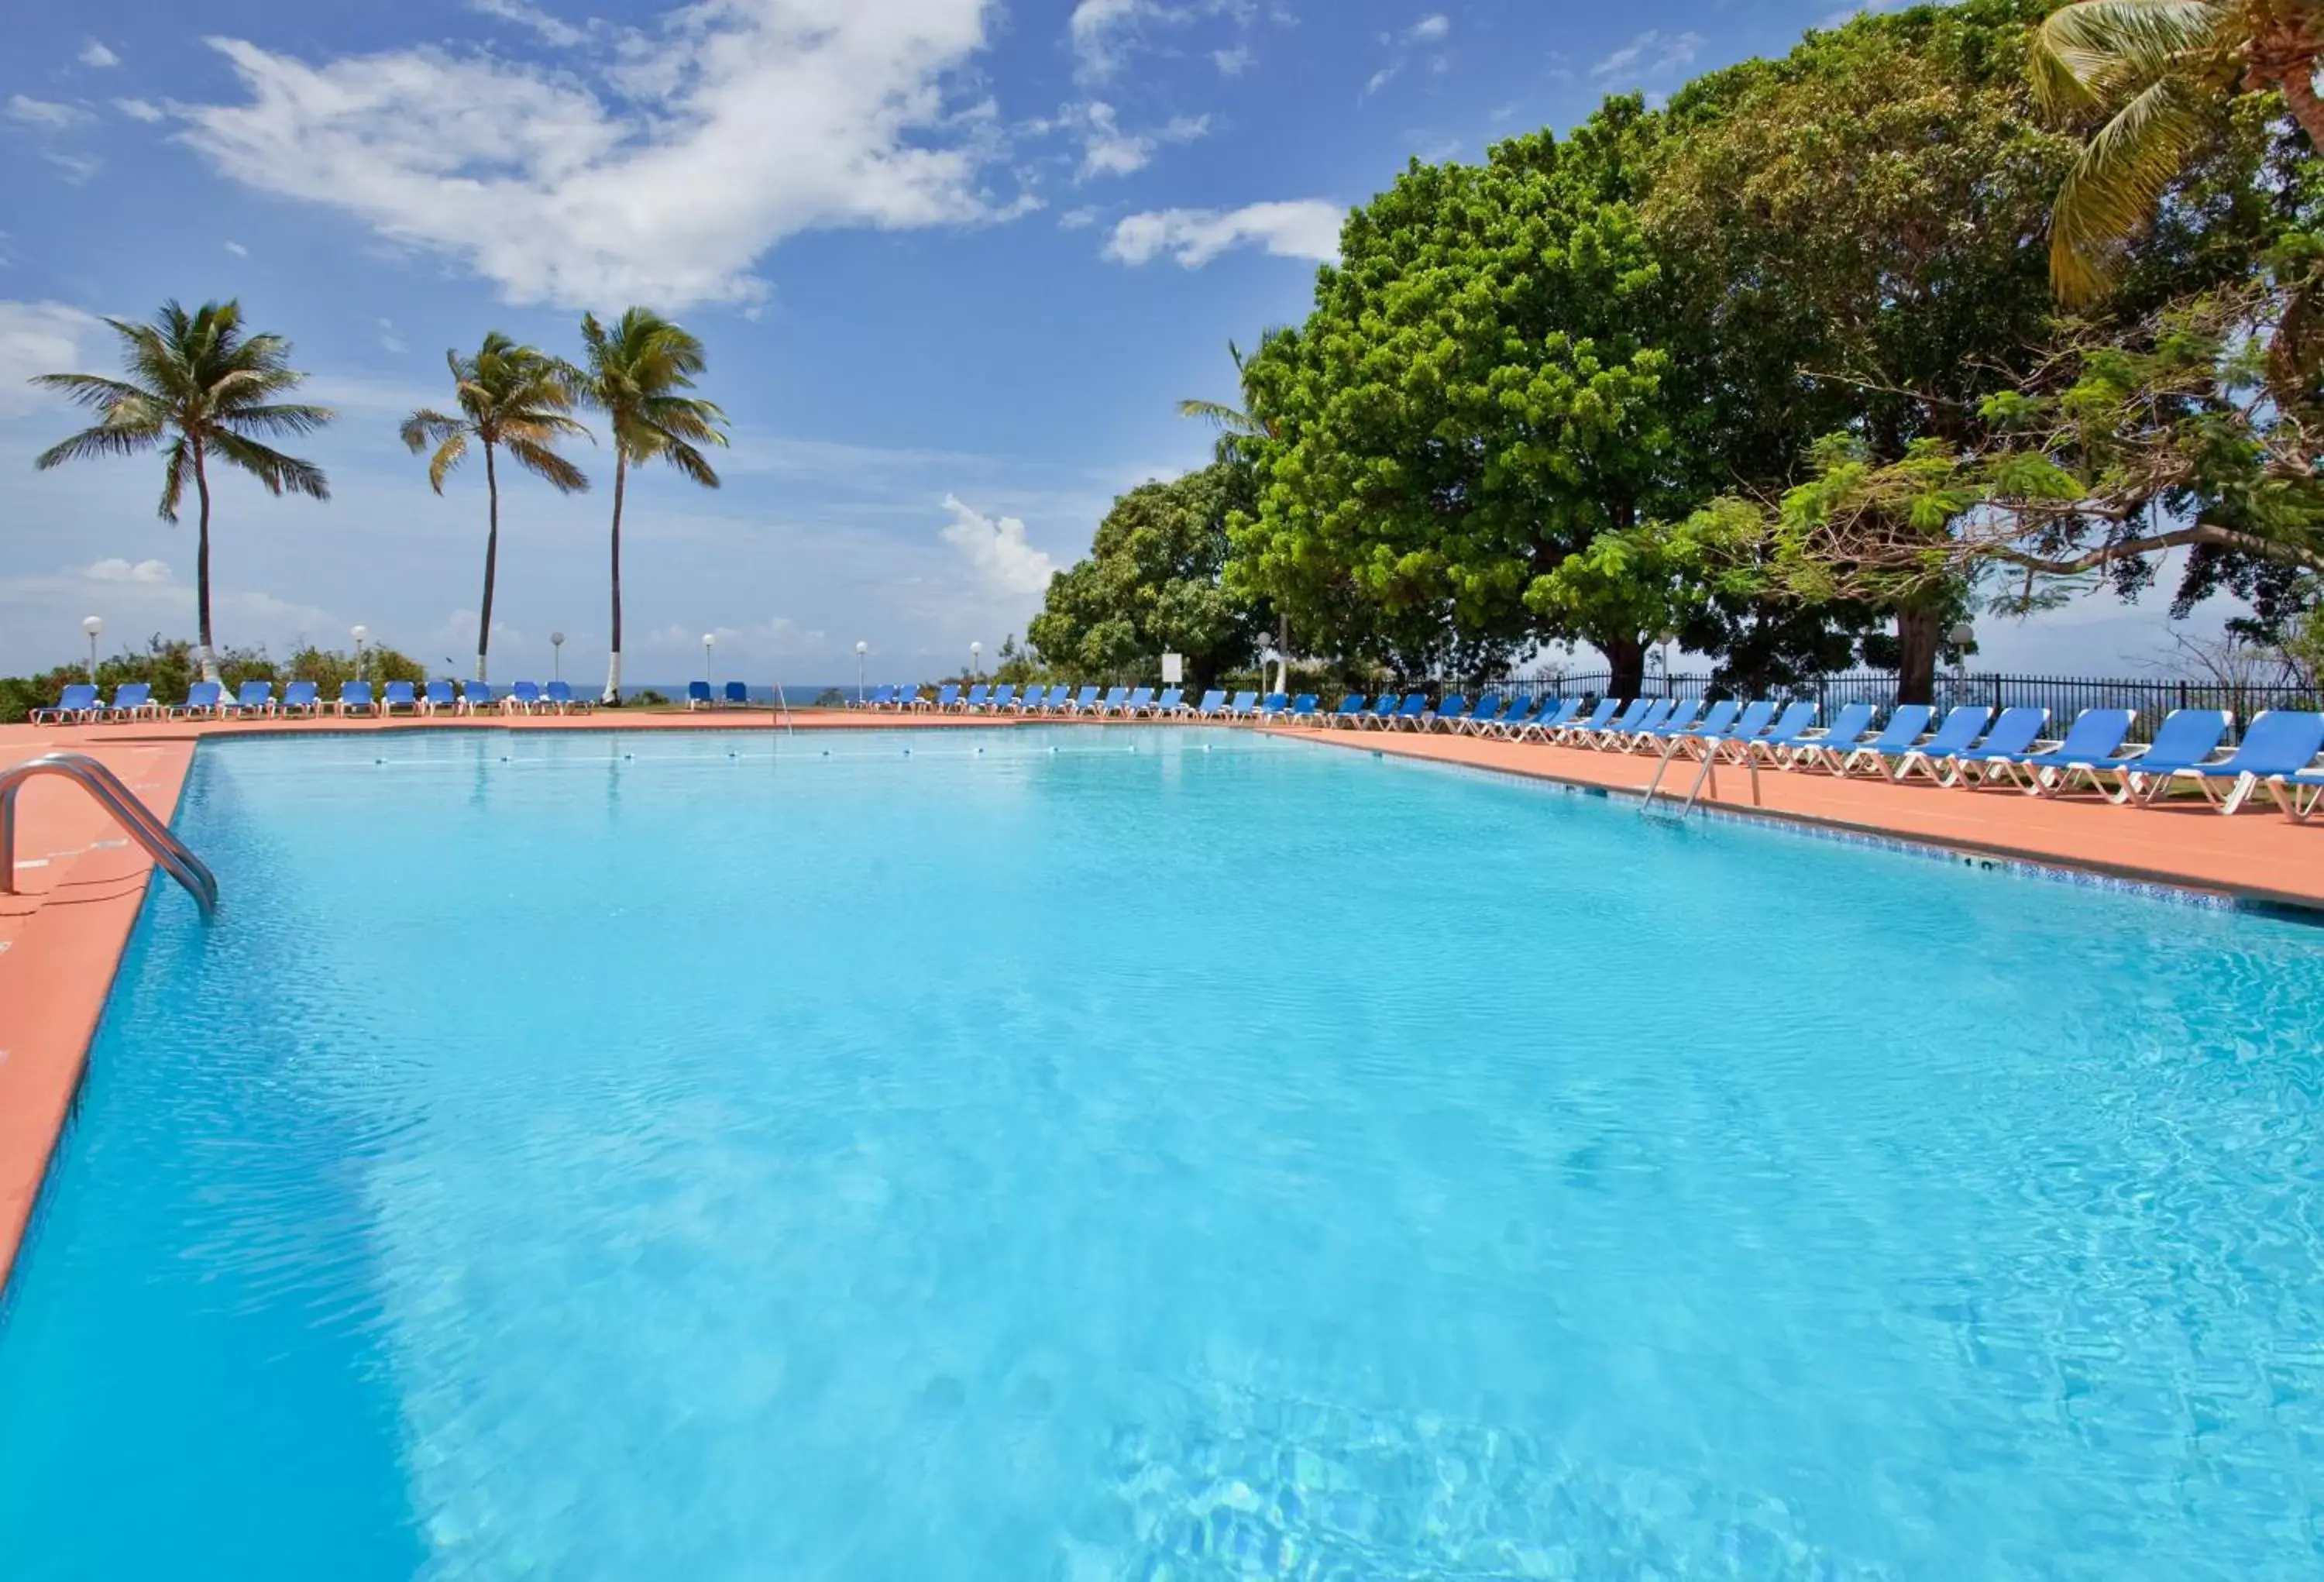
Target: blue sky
955	262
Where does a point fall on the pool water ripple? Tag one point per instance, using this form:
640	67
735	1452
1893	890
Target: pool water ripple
625	1160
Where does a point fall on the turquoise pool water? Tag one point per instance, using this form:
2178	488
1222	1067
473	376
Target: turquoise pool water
1161	1163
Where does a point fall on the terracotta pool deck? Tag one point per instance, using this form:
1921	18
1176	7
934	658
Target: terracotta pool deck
82	882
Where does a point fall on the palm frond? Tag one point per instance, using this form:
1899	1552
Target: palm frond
103	440
2110	193
1220	416
173	480
93	390
279	419
427	427
450	453
2098	51
689	462
281	474
548	466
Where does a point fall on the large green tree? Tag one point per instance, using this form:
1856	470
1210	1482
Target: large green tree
1484	387
1150	585
1862	222
201	388
511	398
637	372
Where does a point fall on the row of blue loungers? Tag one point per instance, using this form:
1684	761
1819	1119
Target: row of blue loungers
80	705
1971	746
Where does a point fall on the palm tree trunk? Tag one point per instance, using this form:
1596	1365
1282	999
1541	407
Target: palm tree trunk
202	568
2299	95
613	664
492	560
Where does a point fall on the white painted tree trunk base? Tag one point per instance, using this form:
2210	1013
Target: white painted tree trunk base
614	679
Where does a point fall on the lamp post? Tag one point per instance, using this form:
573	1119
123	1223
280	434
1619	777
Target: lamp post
707	639
95	626
976	658
861	650
557	656
360	633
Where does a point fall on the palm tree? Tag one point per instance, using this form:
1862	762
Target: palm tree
200	385
1239	428
2162	69
511	397
636	370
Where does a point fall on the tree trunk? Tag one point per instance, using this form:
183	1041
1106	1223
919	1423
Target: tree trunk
202	568
492	560
1919	630
1626	657
614	663
2295	74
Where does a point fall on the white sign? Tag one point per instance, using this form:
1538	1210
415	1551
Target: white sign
1173	668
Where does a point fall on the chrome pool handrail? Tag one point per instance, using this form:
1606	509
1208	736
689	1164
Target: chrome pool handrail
135	818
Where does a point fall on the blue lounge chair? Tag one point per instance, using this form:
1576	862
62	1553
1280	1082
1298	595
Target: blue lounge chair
1749	725
1004	696
1710	720
737	695
1084	701
1484	716
398	695
1115	700
1245	704
2013	731
299	698
2298	795
526	696
1569	730
1956	734
698	695
252	697
1785	749
130	700
974	702
1303	709
202	701
1518	715
1411	714
907	698
356	697
882	697
2281	742
1741	742
1035	698
438	695
2096	736
1633	717
1382	710
948	698
1274	705
1908	725
1173	701
76	702
1664	719
476	696
1140	700
1349	712
1212	706
2187	736
1544	722
560	696
1446	715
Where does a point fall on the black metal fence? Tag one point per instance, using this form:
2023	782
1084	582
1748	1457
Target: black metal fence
2063	696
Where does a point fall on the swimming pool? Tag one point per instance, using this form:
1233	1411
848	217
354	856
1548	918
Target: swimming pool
1179	1154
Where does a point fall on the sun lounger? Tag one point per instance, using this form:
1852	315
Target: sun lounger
1213	705
1957	734
300	698
1712	718
1542	722
130	700
476	696
251	697
1349	712
438	695
2014	730
202	700
2281	742
1634	715
74	703
1173	701
1446	715
1747	726
2096	736
1786	749
1245	704
1565	727
560	696
526	696
356	697
1906	726
948	698
698	695
1274	706
2187	736
1664	720
398	695
1140	700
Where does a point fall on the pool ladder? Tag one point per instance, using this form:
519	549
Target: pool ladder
1706	775
135	818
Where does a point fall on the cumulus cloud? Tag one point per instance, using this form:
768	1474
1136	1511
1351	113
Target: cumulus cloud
1429	30
39	338
151	573
46	113
551	30
1233	62
143	110
658	168
1078	219
1303	229
997	549
1650	54
96	56
1099	30
1109	150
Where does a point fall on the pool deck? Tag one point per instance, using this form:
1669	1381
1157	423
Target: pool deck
82	884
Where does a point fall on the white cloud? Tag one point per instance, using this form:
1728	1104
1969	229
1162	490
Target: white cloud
1381	78
1107	150
1233	62
1078	219
1429	30
1304	228
1100	28
151	573
77	167
143	110
1650	54
552	30
97	56
46	113
998	551
237	249
660	171
388	338
39	338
